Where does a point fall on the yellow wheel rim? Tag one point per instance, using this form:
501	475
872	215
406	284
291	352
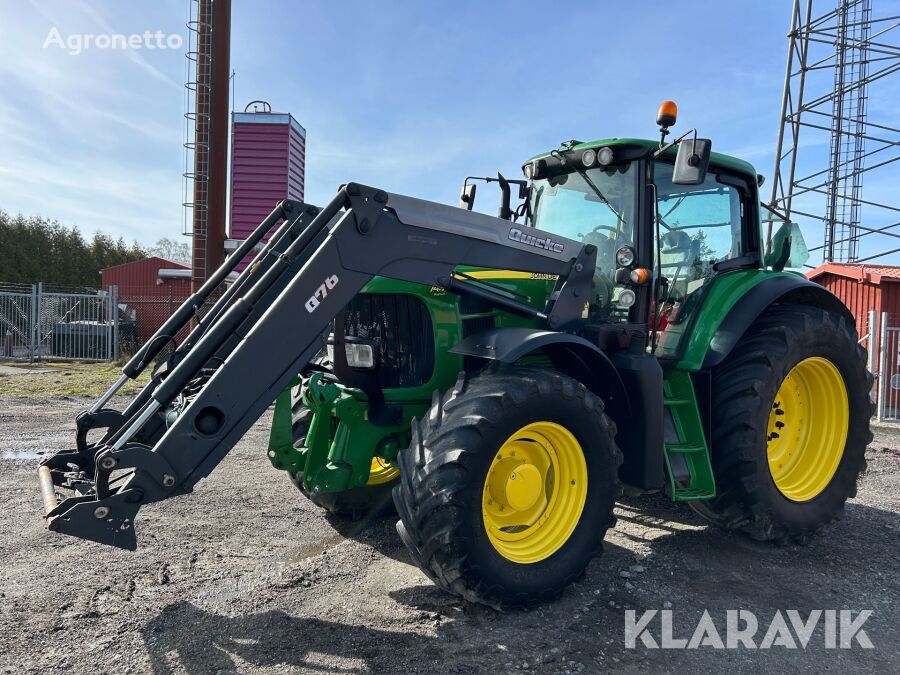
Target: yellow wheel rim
534	492
382	472
807	429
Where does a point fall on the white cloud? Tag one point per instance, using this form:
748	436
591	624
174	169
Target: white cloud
93	140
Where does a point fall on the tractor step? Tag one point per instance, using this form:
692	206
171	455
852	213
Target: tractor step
683	448
687	455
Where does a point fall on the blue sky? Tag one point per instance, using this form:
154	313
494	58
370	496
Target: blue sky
409	96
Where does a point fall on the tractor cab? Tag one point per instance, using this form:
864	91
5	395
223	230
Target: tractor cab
666	220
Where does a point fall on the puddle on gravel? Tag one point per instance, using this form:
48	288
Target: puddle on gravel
22	454
313	549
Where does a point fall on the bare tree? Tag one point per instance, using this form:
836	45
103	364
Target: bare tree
171	250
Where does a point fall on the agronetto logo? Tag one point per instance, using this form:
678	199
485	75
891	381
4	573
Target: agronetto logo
654	629
76	43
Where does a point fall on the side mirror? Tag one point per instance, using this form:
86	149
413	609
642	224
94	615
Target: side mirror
467	197
692	161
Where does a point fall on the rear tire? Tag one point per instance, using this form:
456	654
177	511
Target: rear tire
778	414
469	440
355	503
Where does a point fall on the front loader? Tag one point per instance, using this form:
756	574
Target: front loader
503	378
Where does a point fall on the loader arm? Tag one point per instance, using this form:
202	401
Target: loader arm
270	325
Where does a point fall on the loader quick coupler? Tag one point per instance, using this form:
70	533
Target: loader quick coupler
105	505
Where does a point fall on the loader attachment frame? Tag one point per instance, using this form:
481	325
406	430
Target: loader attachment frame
266	328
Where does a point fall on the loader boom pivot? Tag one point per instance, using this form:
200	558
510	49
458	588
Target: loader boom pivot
265	328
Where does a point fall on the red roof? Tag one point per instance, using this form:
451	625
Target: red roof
162	263
873	274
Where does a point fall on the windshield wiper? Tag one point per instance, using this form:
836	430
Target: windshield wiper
587	179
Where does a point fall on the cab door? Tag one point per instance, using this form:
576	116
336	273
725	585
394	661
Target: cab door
703	231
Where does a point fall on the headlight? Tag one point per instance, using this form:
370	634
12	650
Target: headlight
359	355
535	169
588	157
626	298
625	256
605	156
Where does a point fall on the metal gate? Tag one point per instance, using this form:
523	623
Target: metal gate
884	359
39	325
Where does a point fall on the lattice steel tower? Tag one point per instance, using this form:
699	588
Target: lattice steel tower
833	60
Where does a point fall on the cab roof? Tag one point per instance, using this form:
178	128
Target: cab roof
716	159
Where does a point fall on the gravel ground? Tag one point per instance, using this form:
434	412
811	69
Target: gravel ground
244	575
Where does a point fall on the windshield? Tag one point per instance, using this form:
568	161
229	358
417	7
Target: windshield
575	206
597	207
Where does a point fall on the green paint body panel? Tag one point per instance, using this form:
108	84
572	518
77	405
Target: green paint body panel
341	443
693	339
338	455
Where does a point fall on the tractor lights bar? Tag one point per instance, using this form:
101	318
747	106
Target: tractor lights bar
563	161
626	273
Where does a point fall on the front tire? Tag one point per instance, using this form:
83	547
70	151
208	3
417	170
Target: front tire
790	425
508	486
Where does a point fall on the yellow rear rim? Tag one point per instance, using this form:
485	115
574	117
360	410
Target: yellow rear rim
382	472
807	429
534	492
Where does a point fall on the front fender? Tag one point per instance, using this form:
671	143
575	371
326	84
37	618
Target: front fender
571	354
635	407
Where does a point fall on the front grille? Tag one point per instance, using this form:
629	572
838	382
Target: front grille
399	326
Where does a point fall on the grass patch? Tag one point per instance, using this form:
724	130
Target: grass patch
54	380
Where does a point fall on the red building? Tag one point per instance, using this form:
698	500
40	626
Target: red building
268	162
150	290
863	288
872	293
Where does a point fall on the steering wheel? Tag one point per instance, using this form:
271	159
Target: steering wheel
620	239
608	228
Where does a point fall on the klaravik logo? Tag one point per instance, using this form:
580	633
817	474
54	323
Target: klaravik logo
838	630
545	243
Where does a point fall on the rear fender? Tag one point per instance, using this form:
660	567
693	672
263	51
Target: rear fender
781	289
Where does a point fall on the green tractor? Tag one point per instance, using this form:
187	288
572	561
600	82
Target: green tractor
629	323
505	446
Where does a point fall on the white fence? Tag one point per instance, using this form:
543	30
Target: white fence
39	325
